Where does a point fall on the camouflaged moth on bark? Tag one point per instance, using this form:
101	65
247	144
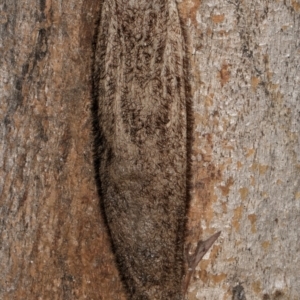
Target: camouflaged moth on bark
140	127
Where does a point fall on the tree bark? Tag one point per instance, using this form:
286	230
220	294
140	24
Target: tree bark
53	241
244	63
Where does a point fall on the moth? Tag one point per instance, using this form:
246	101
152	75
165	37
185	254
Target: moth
140	120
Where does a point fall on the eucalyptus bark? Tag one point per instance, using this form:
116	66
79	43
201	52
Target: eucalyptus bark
53	243
246	93
244	63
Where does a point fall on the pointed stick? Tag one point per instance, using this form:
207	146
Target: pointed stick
194	259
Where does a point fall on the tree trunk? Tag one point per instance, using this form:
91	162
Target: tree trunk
53	241
244	64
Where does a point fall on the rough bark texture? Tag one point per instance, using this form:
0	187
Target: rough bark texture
244	60
53	243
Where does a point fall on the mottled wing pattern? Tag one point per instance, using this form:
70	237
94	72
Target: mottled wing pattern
141	114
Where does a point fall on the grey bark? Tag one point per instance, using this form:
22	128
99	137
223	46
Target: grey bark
246	65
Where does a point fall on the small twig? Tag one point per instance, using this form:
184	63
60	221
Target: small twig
194	259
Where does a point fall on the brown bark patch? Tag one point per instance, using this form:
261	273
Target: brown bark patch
224	74
296	5
252	218
189	9
238	213
225	189
218	18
